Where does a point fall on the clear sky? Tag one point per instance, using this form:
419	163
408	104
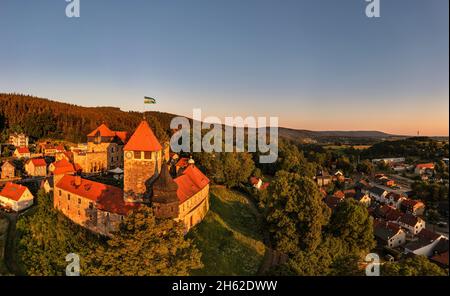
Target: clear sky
317	64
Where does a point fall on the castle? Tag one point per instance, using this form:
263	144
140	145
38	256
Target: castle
147	182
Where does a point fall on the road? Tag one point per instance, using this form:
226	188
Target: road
10	249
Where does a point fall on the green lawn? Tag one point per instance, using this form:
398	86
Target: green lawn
3	230
230	237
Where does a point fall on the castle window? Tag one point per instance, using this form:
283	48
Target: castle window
137	154
60	193
79	213
91	205
147	155
79	201
68	196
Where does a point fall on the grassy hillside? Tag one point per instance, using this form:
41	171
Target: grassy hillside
230	237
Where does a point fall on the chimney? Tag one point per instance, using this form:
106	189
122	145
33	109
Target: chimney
77	180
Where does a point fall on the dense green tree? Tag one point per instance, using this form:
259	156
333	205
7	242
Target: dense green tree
146	246
296	213
414	266
352	223
45	237
365	167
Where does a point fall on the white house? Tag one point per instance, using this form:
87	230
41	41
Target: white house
16	197
395	199
424	244
378	194
411	223
389	234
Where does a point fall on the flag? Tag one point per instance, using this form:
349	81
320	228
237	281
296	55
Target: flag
148	100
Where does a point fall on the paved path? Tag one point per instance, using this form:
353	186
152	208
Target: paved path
10	249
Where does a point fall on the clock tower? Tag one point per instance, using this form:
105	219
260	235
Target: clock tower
142	164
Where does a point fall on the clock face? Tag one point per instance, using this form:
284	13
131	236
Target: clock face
129	155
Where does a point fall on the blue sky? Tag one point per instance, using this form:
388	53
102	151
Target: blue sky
317	64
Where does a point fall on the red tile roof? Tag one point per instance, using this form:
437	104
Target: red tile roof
254	180
23	150
13	191
103	130
63	166
339	194
409	219
441	258
332	201
183	162
425	166
426	234
38	162
143	139
411	203
190	182
122	136
107	197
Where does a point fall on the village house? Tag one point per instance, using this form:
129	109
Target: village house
323	180
62	167
18	139
411	223
422	168
338	176
395	199
388	234
362	186
104	150
415	207
440	253
36	167
424	244
378	194
362	198
16	197
22	152
47	184
8	170
256	182
388	213
332	201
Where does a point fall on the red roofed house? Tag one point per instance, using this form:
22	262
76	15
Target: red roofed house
60	168
142	163
104	150
394	199
94	205
415	207
16	197
423	167
36	167
256	182
22	152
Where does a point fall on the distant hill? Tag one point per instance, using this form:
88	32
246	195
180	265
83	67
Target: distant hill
41	117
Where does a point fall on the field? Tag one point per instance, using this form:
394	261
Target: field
3	230
230	237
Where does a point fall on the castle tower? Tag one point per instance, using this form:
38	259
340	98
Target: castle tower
142	163
165	200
